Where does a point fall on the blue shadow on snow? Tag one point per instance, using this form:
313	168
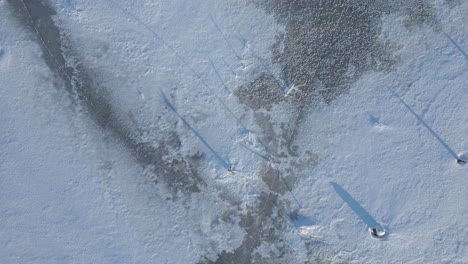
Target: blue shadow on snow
215	154
441	141
457	46
299	220
355	206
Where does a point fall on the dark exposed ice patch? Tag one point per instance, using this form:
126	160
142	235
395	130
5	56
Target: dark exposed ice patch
319	252
421	12
452	3
260	93
328	42
334	42
264	223
275	181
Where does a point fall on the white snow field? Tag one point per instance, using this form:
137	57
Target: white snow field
117	138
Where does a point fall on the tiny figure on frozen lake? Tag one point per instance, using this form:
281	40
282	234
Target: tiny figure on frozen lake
377	232
460	161
231	169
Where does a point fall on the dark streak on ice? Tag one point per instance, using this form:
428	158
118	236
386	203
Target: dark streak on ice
177	172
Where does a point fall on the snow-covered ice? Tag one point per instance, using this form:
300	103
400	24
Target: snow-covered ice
121	120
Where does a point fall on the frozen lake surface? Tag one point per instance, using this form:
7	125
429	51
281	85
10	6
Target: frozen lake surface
244	131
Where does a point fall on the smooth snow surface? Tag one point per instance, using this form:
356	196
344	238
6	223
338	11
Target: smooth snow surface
238	131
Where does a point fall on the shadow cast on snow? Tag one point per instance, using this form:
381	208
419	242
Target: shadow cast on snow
299	220
457	46
441	141
218	157
355	206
